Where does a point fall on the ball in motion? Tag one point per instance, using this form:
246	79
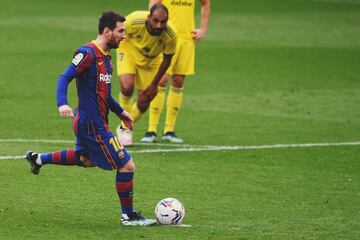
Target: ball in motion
169	211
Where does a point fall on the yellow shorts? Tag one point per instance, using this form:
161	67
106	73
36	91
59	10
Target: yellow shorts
126	64
183	62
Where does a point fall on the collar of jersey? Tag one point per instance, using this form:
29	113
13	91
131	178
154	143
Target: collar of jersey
101	50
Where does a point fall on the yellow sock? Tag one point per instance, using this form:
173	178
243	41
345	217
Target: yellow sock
173	105
135	112
156	107
126	103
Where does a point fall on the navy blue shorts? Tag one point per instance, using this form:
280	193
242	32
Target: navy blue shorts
101	146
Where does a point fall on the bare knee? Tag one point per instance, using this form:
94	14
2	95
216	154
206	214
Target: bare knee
128	167
178	81
127	82
86	161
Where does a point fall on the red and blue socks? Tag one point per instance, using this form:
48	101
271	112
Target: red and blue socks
62	157
124	187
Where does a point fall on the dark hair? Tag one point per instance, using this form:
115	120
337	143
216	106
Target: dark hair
109	19
158	6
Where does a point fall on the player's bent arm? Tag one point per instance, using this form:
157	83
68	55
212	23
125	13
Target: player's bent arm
81	62
200	33
62	86
61	93
151	90
115	107
120	112
162	69
145	97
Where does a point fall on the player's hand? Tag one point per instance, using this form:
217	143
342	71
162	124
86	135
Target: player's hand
66	111
199	34
127	119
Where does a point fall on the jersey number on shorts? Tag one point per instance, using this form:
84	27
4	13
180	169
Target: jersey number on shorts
115	143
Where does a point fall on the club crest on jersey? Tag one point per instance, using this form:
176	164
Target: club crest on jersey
77	59
105	78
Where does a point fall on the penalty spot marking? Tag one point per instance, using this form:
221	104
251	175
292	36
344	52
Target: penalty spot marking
179	225
190	148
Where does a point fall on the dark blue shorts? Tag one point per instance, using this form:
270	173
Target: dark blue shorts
101	146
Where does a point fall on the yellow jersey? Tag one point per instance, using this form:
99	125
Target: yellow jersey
182	16
143	46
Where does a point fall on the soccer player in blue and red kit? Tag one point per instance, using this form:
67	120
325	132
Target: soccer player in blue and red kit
95	144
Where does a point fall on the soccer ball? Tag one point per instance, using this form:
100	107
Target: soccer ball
169	211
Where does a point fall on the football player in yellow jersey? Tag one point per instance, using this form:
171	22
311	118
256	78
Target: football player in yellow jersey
139	61
182	16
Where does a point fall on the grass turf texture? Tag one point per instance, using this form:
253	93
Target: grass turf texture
269	72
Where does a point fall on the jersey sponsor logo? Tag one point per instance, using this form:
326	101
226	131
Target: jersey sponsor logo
100	63
77	59
181	3
105	78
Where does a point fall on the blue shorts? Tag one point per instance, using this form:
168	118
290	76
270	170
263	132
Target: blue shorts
100	146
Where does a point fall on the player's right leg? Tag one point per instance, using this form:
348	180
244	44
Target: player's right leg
156	107
127	82
126	69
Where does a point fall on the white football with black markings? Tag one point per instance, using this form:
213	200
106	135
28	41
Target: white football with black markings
170	211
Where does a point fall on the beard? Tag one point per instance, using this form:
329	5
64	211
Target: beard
157	32
113	44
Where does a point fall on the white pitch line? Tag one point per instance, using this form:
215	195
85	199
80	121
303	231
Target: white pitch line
55	141
225	148
37	140
11	157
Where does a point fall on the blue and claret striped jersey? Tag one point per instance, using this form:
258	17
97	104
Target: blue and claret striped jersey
92	68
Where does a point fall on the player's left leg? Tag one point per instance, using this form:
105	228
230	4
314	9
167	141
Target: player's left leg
65	157
173	105
106	152
185	65
124	187
144	77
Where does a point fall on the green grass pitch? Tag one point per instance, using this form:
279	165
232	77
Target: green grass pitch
269	72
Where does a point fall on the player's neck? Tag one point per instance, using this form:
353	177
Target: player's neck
100	42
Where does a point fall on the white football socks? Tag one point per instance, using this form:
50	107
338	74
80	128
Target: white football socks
38	160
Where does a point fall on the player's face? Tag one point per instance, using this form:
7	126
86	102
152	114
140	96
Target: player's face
157	22
116	35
